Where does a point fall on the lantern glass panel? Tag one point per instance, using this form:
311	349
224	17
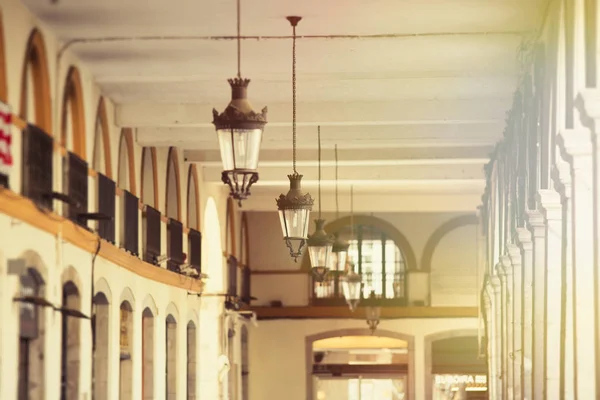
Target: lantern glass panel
294	222
338	261
239	148
320	256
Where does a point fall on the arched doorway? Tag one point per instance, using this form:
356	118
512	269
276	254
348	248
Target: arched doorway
352	363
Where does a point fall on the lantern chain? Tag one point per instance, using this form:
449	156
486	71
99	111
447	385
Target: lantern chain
319	140
239	42
294	98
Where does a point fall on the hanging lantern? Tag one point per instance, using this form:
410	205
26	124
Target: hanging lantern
295	206
373	313
239	130
294	212
319	250
351	288
340	247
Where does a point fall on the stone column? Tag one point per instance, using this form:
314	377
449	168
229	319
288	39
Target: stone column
517	295
507	304
577	147
526	246
502	310
538	228
550	204
562	178
491	338
497	321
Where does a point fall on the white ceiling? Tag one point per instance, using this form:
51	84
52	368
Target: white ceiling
434	92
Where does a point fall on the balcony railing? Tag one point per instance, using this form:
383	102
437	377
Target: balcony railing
389	288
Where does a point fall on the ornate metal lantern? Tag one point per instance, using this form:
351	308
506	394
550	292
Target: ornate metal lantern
239	130
373	313
320	243
340	246
295	206
351	288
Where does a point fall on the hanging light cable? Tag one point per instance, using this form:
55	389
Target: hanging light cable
295	206
320	243
340	247
352	282
239	130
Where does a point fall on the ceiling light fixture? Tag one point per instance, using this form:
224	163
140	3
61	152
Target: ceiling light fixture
295	206
373	313
340	246
351	282
320	243
239	130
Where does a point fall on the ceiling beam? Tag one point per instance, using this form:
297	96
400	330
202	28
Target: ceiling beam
403	112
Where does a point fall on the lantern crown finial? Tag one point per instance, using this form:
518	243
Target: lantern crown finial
295	198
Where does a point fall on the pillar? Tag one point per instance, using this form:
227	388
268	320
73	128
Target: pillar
576	146
550	204
507	304
490	333
497	332
538	229
517	295
526	247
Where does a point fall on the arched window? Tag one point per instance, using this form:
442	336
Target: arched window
101	333
73	118
147	353
126	174
171	357
173	202
125	350
245	364
36	105
31	338
193	199
378	252
149	177
70	359
191	361
101	158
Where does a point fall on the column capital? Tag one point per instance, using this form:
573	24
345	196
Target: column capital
514	253
575	142
495	283
550	203
561	175
506	263
524	238
537	223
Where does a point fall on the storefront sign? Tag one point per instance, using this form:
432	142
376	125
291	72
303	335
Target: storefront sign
460	379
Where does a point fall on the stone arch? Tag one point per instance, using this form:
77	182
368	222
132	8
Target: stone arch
31	382
212	250
102	286
409	339
148	347
3	84
439	233
429	339
171	351
173	186
193	199
126	169
101	156
230	231
191	360
36	60
73	117
71	336
390	231
150	304
100	339
127	295
244	241
149	177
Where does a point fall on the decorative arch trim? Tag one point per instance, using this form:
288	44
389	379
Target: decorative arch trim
154	172
128	134
102	117
127	296
192	317
173	162
73	97
436	237
409	339
390	231
3	83
71	275
35	54
172	311
101	286
150	304
34	260
193	178
230	249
